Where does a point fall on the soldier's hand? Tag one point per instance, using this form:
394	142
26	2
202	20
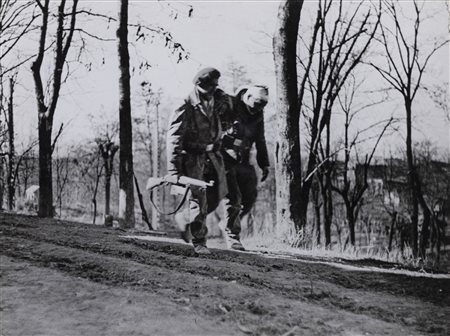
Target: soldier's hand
265	173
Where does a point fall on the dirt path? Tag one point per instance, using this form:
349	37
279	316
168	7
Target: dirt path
61	278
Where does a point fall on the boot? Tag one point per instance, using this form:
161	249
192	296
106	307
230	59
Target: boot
201	249
232	241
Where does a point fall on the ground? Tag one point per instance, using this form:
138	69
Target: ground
63	278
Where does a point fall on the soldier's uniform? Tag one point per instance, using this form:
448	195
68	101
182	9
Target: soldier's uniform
193	149
247	129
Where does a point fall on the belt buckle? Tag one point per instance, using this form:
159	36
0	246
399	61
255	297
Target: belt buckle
210	147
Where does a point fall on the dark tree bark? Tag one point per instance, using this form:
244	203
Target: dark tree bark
94	196
288	172
126	196
46	112
315	191
412	178
108	150
62	176
12	151
392	229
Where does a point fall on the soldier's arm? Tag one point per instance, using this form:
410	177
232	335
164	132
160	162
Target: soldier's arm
175	135
225	104
262	157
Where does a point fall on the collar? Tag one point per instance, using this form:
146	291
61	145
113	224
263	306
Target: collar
194	100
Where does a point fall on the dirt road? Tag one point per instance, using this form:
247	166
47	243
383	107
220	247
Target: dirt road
62	278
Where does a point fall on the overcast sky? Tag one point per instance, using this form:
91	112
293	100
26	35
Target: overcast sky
217	32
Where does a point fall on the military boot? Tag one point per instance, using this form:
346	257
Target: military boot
232	240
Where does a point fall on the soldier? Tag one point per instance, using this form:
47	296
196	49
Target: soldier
193	150
247	129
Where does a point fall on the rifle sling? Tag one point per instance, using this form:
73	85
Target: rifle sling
178	207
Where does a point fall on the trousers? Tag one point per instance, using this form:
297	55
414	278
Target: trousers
242	192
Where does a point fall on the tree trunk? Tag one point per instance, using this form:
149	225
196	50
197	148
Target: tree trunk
287	165
392	230
351	224
411	177
425	234
108	150
2	181
107	193
316	202
126	192
12	152
326	208
45	168
155	166
94	197
327	211
46	113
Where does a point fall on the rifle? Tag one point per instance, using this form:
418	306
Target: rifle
177	181
182	181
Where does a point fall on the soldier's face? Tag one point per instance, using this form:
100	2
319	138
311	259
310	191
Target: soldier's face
210	87
258	106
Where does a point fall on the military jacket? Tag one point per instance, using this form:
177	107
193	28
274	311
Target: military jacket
246	130
194	137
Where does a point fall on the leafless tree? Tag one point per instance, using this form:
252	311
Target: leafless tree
46	111
149	136
12	152
98	169
62	165
28	167
340	39
108	150
90	165
352	192
406	61
14	159
236	75
287	161
17	19
3	139
126	187
435	175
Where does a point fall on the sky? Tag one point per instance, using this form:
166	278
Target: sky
217	32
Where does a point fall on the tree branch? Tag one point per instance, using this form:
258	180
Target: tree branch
61	127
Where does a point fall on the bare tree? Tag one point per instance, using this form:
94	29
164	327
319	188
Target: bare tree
338	42
46	112
287	154
107	150
236	75
149	136
3	139
62	165
12	152
126	187
16	21
406	62
14	158
90	167
98	173
352	192
26	164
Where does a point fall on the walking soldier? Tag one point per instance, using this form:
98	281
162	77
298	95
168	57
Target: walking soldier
193	150
246	130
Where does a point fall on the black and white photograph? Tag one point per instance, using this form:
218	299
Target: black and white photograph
224	167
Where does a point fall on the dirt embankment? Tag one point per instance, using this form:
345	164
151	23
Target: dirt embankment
62	278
